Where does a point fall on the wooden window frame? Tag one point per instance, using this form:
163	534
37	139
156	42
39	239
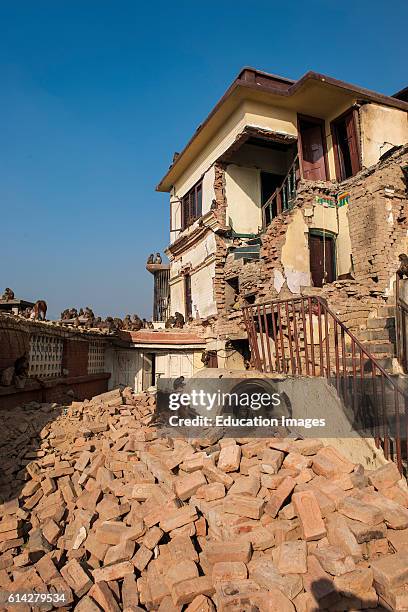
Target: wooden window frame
333	130
331	236
190	209
322	123
188	305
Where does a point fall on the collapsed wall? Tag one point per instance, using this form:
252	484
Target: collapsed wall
101	513
371	231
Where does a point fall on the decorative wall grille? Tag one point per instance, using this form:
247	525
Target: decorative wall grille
45	360
96	357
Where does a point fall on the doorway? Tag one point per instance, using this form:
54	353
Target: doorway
322	247
149	370
269	184
312	148
345	145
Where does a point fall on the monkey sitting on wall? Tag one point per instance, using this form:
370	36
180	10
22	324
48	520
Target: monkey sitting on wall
21	366
137	323
40	310
150	259
179	320
403	268
8	294
170	322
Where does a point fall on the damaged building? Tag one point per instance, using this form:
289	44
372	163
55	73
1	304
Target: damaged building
289	188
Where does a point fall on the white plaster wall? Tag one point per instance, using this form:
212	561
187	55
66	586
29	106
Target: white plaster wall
243	192
177	296
202	291
380	125
196	255
208	189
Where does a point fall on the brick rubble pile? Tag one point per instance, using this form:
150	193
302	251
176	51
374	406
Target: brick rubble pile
104	511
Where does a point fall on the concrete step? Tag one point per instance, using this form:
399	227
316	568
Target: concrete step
377	334
387	310
381	323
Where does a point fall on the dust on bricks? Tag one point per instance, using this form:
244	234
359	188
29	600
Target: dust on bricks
116	517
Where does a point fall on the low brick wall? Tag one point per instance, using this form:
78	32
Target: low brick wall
83	387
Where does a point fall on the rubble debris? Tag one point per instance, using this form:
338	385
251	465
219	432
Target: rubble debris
98	508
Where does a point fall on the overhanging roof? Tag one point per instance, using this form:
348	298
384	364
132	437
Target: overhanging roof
264	86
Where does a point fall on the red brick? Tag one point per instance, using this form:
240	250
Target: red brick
308	511
279	496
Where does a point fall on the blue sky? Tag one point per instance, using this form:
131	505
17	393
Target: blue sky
95	98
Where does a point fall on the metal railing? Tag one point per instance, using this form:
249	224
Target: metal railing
401	313
303	336
284	196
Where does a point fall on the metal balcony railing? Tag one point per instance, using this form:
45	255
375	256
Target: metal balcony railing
284	196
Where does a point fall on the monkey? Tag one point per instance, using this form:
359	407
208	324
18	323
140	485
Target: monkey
150	259
179	323
89	313
81	312
127	323
145	324
118	323
73	313
158	259
403	269
150	325
8	295
137	323
40	310
21	366
170	322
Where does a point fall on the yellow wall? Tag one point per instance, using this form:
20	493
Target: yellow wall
243	191
248	113
381	127
295	255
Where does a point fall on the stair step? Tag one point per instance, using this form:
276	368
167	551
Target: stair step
387	310
381	323
377	334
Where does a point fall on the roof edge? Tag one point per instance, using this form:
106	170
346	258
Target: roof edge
285	88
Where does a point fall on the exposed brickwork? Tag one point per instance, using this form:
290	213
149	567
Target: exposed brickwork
75	357
378	224
378	220
220	196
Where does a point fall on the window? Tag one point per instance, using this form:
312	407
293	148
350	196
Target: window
187	297
346	145
191	205
322	258
312	148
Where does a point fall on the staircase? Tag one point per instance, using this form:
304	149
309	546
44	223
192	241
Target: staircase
303	336
379	337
